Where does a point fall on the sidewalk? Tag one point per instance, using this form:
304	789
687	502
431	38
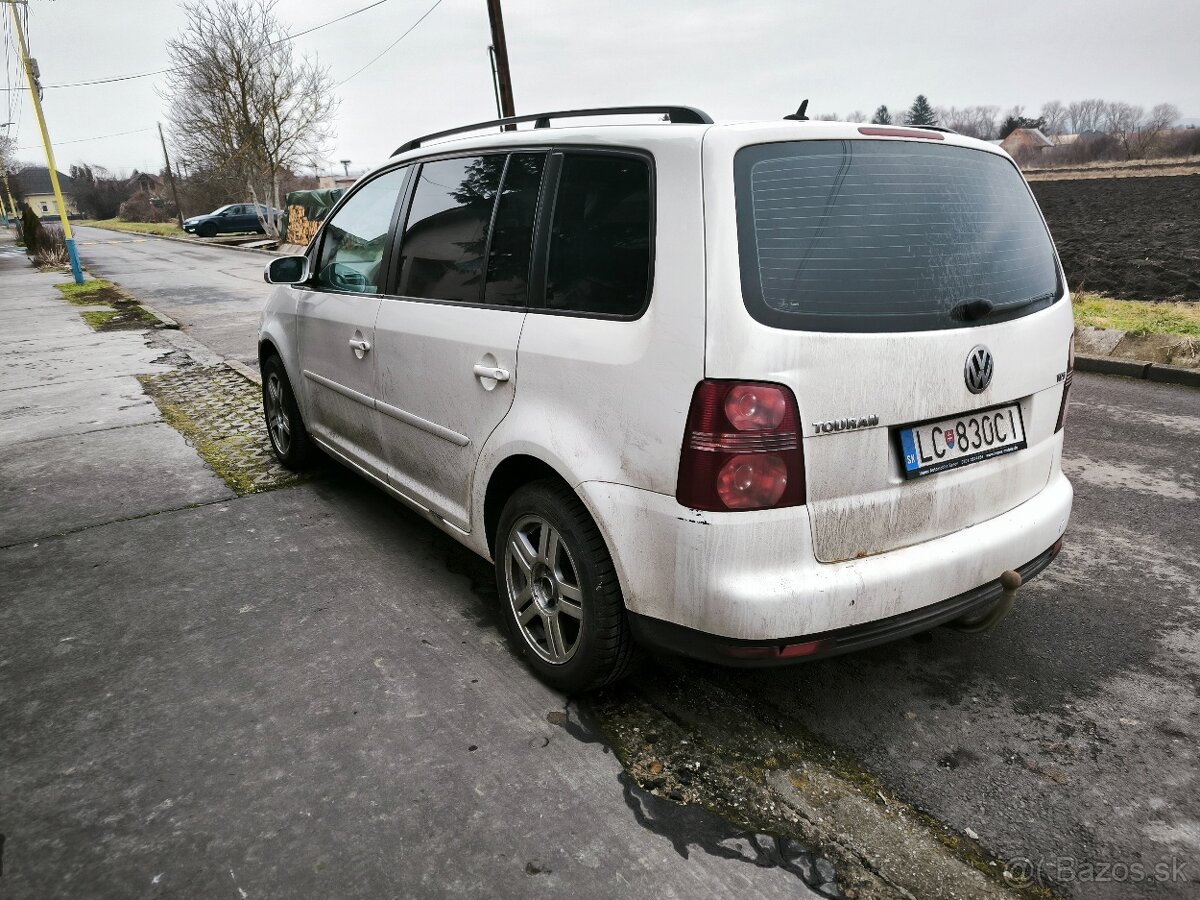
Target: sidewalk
294	693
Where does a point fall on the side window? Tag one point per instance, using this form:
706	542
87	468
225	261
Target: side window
600	236
512	234
441	256
352	248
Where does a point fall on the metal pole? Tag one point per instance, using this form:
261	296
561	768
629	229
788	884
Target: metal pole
170	176
495	80
501	50
68	235
8	190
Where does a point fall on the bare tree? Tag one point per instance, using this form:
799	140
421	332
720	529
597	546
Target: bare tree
857	116
1120	122
1054	114
1085	115
1147	133
242	106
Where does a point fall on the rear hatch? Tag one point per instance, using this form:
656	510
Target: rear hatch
907	290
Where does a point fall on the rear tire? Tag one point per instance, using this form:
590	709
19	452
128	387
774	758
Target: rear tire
559	592
285	429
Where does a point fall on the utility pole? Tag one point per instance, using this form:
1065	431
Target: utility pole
500	48
35	92
495	80
170	175
11	203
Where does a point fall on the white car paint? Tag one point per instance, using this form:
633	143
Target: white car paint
604	404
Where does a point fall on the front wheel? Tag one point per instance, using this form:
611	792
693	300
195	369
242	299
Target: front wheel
285	428
559	590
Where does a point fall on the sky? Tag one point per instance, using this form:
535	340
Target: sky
735	60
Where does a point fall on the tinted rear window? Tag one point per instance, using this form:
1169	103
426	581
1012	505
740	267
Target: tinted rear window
887	236
599	257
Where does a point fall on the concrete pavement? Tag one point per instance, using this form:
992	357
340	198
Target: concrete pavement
295	693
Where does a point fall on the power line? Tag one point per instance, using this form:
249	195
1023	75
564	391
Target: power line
292	37
284	39
375	59
97	137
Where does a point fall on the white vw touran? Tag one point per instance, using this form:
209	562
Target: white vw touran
754	393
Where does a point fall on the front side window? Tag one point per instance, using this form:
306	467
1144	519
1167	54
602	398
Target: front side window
600	237
859	235
442	254
352	248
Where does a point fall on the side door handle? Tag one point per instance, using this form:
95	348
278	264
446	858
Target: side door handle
360	346
492	372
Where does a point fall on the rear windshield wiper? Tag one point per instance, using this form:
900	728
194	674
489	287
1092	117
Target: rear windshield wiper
970	310
981	307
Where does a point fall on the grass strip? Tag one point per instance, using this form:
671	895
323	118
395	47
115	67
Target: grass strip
1137	317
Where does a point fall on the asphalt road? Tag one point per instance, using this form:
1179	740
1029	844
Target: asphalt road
1068	736
216	294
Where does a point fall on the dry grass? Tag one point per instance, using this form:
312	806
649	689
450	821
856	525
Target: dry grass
1185	165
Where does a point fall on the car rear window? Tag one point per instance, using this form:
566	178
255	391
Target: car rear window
859	235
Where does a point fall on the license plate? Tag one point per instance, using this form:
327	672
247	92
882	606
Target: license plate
961	440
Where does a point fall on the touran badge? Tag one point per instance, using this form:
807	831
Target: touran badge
979	369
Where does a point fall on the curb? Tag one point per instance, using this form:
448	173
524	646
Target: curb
244	370
1136	368
164	320
193	242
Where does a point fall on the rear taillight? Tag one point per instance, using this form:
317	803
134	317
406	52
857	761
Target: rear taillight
741	448
1062	407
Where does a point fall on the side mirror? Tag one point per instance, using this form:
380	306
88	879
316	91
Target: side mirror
287	270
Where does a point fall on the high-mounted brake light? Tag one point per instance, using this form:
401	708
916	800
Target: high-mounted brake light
901	132
742	448
1062	407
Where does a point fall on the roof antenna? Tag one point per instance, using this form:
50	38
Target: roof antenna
799	115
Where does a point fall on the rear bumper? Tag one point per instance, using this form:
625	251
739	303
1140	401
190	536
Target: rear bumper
760	654
754	577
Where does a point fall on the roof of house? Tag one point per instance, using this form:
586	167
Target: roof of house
1035	136
36	180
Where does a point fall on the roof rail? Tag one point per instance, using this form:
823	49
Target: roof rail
679	115
934	128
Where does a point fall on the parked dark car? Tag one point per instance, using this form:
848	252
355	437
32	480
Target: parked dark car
232	219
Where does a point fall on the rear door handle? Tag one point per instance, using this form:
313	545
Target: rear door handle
492	372
362	346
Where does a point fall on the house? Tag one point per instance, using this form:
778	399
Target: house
33	183
1025	142
145	182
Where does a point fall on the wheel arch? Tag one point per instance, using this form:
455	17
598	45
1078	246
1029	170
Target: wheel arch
506	479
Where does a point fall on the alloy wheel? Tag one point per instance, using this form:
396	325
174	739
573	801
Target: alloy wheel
543	589
278	423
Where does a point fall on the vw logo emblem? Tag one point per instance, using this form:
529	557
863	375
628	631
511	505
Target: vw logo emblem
978	370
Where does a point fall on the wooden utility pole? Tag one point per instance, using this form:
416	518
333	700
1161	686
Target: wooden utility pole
170	175
35	92
501	50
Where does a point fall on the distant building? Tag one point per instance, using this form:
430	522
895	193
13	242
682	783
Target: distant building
1083	137
145	182
36	190
1025	142
336	181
